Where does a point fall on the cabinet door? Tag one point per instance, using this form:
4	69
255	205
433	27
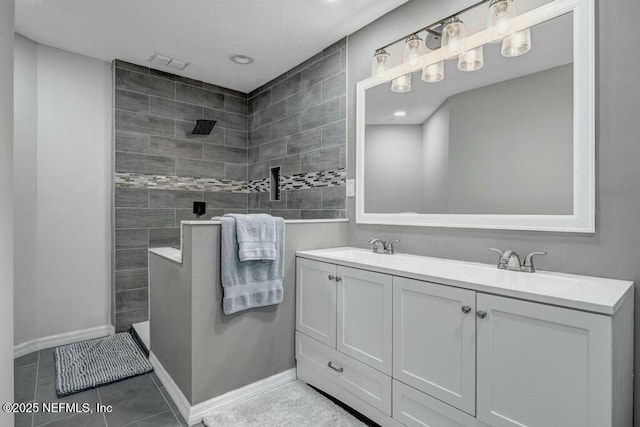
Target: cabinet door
316	300
364	317
434	340
541	366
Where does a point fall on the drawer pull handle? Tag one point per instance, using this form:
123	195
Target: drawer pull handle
338	279
332	277
334	368
466	309
482	314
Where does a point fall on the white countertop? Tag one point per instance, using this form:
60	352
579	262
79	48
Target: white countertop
598	295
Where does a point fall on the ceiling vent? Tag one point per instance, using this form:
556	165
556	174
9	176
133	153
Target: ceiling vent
165	61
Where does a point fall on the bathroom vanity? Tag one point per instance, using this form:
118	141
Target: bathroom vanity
419	341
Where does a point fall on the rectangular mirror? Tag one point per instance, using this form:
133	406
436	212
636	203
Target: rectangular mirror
509	146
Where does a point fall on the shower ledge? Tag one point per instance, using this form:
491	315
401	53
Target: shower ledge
175	254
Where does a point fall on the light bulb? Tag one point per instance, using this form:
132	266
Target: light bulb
517	44
501	12
471	60
413	49
379	65
433	73
453	34
401	84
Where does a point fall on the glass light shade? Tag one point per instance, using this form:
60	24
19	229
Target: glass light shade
453	35
517	44
433	73
501	12
471	60
414	48
401	84
379	65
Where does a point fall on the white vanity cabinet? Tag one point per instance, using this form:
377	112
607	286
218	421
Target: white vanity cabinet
316	300
543	366
407	351
434	340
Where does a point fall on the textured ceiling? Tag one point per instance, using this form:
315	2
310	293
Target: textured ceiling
279	34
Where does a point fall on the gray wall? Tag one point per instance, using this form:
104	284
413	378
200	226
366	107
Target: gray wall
511	146
6	206
206	352
394	168
297	121
154	115
435	158
613	250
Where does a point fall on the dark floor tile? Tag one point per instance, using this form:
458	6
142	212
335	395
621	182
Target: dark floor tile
81	420
133	400
165	419
24	383
46	365
23	419
46	393
28	359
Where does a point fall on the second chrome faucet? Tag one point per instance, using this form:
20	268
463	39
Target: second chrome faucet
382	247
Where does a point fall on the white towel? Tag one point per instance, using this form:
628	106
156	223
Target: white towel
256	235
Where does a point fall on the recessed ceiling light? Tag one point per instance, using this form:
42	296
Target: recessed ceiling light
241	59
400	113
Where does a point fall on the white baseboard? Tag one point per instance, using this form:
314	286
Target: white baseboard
195	414
61	339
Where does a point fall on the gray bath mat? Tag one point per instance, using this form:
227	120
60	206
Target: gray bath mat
88	364
291	405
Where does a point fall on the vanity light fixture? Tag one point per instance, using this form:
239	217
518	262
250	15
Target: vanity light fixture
501	12
453	34
414	48
402	84
379	65
471	60
516	44
449	35
433	73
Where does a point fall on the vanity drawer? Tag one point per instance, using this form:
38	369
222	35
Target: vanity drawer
360	380
416	409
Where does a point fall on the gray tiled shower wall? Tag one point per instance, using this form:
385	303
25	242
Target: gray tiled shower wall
154	115
297	122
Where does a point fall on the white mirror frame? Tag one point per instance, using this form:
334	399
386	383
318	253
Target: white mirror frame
583	218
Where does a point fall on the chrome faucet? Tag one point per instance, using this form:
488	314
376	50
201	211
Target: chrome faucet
380	246
510	260
388	246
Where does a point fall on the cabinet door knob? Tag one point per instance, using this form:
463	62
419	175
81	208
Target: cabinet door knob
334	368
482	314
466	309
332	277
338	279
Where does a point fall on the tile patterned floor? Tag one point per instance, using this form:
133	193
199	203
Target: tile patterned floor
139	401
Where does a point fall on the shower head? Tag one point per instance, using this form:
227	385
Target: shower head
203	127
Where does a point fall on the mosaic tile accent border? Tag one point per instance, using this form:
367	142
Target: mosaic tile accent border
161	182
301	181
